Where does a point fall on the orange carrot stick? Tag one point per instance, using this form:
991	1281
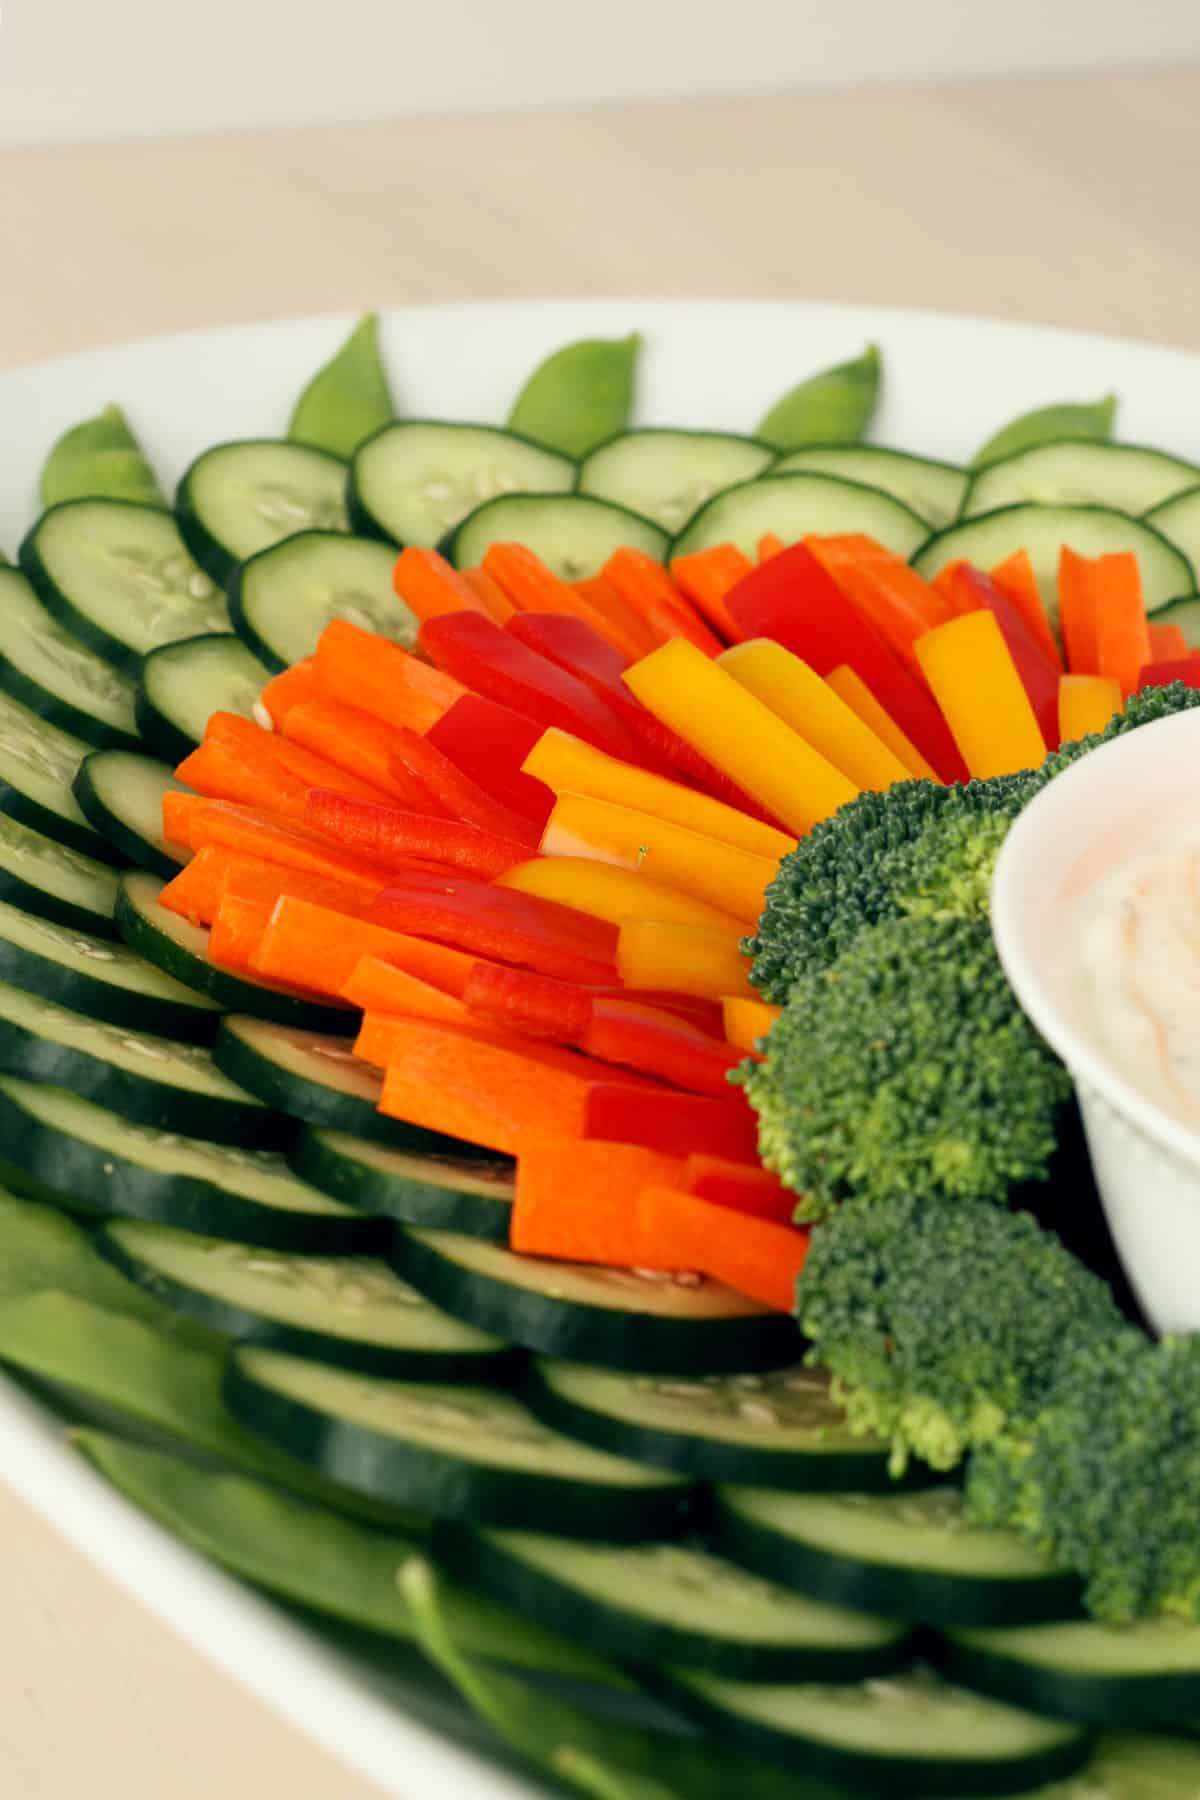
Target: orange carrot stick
1122	639
288	689
1167	642
313	947
361	668
1077	613
496	602
379	987
1016	579
533	587
349	738
193	820
578	1201
236	933
604	597
705	577
769	545
219	772
435	964
756	1257
196	892
431	586
647	587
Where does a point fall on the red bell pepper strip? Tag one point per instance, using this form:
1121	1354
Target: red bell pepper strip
489	743
740	1187
500	924
640	1037
792	599
539	1005
394	839
456	795
1162	674
478	652
970	589
676	1123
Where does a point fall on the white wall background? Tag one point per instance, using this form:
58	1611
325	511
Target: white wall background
77	69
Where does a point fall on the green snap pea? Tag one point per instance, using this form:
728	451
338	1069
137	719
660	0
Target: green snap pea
579	396
348	398
1065	419
832	407
99	459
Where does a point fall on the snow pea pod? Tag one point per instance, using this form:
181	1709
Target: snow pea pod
832	407
348	398
1065	419
579	396
99	459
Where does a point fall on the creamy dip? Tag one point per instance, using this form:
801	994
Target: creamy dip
1140	953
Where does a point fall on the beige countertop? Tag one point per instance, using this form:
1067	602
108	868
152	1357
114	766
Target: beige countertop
1067	202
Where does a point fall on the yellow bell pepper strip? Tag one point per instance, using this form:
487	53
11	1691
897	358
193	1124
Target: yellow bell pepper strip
732	728
682	959
796	694
858	697
747	1021
606	892
732	880
1086	703
567	765
975	682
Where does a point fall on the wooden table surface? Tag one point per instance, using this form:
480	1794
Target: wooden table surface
1066	202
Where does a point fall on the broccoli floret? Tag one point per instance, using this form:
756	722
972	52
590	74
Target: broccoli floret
1106	1476
942	1321
906	1067
946	873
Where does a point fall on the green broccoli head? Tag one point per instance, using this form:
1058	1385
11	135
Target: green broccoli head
943	1321
946	872
906	1067
1106	1476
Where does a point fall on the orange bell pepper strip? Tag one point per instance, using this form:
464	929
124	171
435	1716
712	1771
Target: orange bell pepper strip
362	668
748	1022
734	729
605	891
975	682
796	694
1086	703
682	959
851	688
578	1201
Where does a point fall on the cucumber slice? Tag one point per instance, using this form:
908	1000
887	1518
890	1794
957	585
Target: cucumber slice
108	981
904	1734
616	1317
776	1430
347	1310
794	505
456	1452
469	1194
38	764
70	1151
673	1603
1080	472
119	577
239	498
56	676
1184	612
315	1078
574	534
933	490
183	684
282	599
1145	1673
417	479
915	1556
667	475
1043	530
1179	522
49	880
152	1080
1129	1765
121	792
180	949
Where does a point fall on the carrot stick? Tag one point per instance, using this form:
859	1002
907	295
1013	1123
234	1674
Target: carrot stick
430	586
455	794
496	603
1167	642
313	947
499	924
685	959
1015	577
604	597
246	738
578	1201
604	891
1122	638
649	590
769	545
706	577
267	837
219	772
755	1257
361	668
434	964
393	839
362	745
196	892
740	1186
237	932
532	587
851	688
379	987
289	689
1077	613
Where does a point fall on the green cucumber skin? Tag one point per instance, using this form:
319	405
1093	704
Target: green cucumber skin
84	838
447	1487
158	735
67	1171
57	711
1112	1701
29	560
122	846
228	990
637	1639
891	1776
48	906
655	1346
312	1104
709	1459
363	522
30	1057
389	1197
257	645
927	1595
252	1328
104	999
